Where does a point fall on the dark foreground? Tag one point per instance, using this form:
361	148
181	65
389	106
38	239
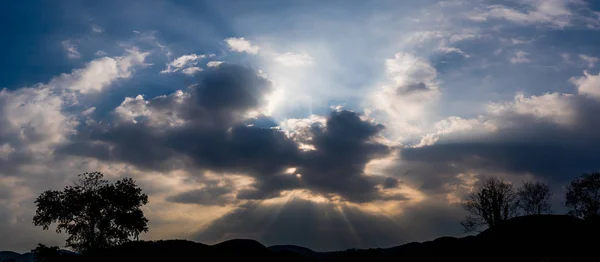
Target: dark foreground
531	238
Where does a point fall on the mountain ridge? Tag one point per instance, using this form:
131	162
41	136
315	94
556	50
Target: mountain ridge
533	238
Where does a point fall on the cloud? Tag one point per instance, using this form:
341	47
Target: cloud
34	121
208	195
208	128
343	147
192	70
240	44
556	13
293	59
520	57
548	136
552	107
591	61
100	73
97	29
449	50
406	68
214	63
31	124
184	63
589	84
71	49
406	95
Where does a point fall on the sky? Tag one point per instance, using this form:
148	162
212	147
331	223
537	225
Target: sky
327	124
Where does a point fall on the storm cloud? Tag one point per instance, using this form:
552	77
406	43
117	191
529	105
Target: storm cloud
551	137
207	127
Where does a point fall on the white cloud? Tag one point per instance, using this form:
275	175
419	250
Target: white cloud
164	49
32	119
556	108
88	111
406	68
182	62
71	49
240	44
553	107
138	109
556	13
132	108
100	53
300	129
33	122
97	29
462	37
591	61
456	126
192	70
100	73
214	63
449	50
6	150
520	57
517	41
589	84
293	59
406	97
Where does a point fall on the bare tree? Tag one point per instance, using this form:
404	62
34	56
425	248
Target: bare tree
493	203
533	198
583	196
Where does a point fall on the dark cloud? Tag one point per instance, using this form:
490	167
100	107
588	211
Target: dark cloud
344	147
208	196
391	182
327	226
206	128
414	87
523	144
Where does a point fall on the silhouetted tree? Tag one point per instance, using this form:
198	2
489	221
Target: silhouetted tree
95	213
533	198
493	203
43	253
583	196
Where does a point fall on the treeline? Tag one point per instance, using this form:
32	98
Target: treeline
497	200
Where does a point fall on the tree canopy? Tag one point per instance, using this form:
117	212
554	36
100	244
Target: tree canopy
583	196
94	212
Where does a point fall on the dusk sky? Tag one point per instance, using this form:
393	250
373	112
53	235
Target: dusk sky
328	124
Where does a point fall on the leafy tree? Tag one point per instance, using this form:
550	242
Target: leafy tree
534	198
583	196
95	213
43	253
493	203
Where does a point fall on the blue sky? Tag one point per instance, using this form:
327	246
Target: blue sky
434	94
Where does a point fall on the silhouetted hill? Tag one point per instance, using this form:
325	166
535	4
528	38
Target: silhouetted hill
297	251
6	255
9	256
241	248
531	238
